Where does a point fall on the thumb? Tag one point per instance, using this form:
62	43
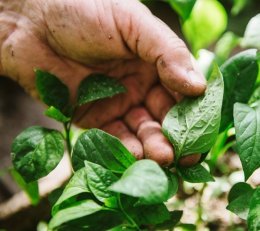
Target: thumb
153	41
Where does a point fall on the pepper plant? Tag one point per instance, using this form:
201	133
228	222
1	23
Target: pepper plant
110	189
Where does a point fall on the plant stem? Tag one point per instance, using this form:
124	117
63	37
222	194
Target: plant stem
67	127
129	219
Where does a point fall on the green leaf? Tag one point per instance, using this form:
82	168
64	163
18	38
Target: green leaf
31	189
149	214
98	86
252	33
187	227
102	220
51	90
208	20
36	152
239	74
247	125
78	184
101	148
255	96
172	222
77	210
225	46
237	190
195	174
192	125
182	7
99	179
144	214
253	219
240	205
145	180
173	183
122	228
56	114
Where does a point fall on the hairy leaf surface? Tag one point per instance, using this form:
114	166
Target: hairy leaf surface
192	125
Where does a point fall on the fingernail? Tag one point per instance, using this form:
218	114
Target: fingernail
197	78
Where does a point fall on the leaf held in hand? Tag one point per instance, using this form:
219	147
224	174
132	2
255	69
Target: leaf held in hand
145	180
192	125
247	125
36	152
98	86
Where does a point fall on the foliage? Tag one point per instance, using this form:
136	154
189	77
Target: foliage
192	125
108	183
208	20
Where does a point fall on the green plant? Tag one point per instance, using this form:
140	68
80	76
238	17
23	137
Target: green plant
108	184
108	181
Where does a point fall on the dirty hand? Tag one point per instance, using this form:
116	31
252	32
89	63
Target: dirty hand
122	39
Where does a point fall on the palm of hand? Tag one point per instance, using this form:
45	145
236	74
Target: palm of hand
72	39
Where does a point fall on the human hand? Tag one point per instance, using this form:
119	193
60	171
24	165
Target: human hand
122	39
